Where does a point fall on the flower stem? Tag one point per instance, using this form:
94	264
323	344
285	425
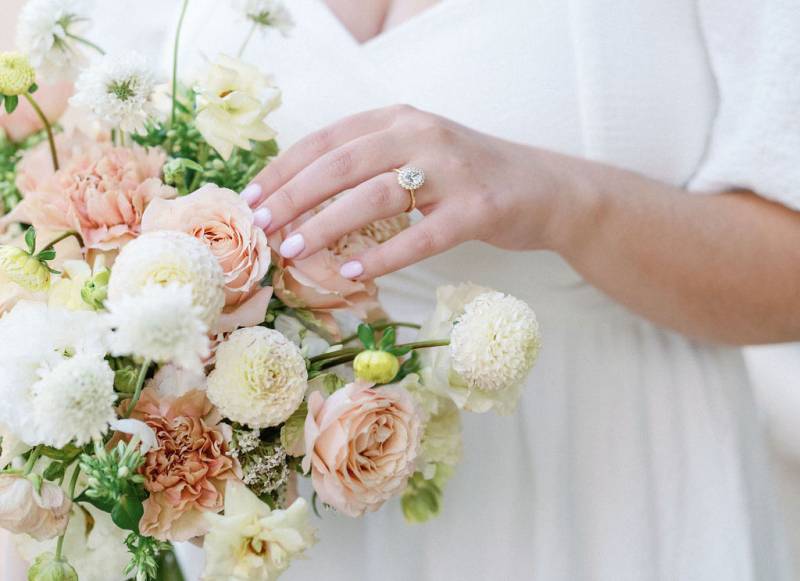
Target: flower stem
335	358
175	61
73	483
88	43
247	39
64	236
382	327
47	127
137	393
32	459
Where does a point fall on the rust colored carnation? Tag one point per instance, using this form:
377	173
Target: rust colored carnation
186	472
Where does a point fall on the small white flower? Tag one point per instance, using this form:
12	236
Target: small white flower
165	257
74	402
161	324
251	541
139	429
50	33
260	377
267	14
36	340
233	102
119	90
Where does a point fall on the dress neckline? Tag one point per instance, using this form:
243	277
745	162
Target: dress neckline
428	13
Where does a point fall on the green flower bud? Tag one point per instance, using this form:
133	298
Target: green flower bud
422	500
95	290
22	268
16	74
376	366
47	567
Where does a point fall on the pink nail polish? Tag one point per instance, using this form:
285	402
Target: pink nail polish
251	194
293	246
352	269
262	217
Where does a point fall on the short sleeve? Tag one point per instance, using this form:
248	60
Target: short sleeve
754	50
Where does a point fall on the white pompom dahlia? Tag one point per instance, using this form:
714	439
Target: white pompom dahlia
74	402
166	257
260	377
161	324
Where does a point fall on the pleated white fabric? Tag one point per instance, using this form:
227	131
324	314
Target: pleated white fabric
636	454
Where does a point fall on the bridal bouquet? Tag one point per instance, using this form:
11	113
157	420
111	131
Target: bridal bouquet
164	374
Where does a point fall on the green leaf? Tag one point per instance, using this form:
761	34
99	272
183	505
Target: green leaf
366	335
399	351
55	471
11	103
30	239
46	255
127	513
66	454
33	88
409	366
388	339
104	504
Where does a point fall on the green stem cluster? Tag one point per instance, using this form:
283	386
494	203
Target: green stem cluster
137	393
334	358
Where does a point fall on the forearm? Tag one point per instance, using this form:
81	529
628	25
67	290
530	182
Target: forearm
723	268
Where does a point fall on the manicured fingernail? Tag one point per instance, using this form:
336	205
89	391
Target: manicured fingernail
262	217
293	246
251	194
352	269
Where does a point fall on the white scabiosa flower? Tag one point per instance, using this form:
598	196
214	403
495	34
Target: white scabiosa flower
161	324
266	14
251	541
233	102
260	377
51	32
166	257
119	90
36	341
74	402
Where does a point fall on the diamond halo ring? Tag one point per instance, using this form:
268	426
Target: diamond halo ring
411	179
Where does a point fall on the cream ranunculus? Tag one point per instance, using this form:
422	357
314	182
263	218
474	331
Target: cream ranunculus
23	269
233	102
361	445
251	542
224	222
42	515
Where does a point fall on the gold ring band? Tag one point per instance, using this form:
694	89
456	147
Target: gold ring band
412	204
411	179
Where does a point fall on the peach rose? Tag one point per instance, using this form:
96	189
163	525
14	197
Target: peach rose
224	222
186	472
361	445
314	283
24	121
42	515
101	191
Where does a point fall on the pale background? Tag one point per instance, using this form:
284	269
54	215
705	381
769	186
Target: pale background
775	372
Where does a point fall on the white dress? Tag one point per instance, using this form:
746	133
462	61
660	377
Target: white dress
636	453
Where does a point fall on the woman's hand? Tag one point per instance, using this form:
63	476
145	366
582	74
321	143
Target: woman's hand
477	188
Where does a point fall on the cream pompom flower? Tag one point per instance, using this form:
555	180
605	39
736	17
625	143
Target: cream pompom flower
16	74
233	102
165	257
119	90
266	14
260	377
74	402
253	542
161	324
49	32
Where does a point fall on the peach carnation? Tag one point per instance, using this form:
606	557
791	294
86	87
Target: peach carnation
101	191
186	472
361	445
224	222
314	282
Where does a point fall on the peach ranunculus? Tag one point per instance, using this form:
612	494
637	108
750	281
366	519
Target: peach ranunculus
24	121
314	283
224	222
42	515
361	445
101	191
186	472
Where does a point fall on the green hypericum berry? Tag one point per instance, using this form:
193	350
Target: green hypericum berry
376	366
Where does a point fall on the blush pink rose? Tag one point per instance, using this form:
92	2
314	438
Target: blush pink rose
24	121
361	445
314	283
101	191
186	472
224	222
